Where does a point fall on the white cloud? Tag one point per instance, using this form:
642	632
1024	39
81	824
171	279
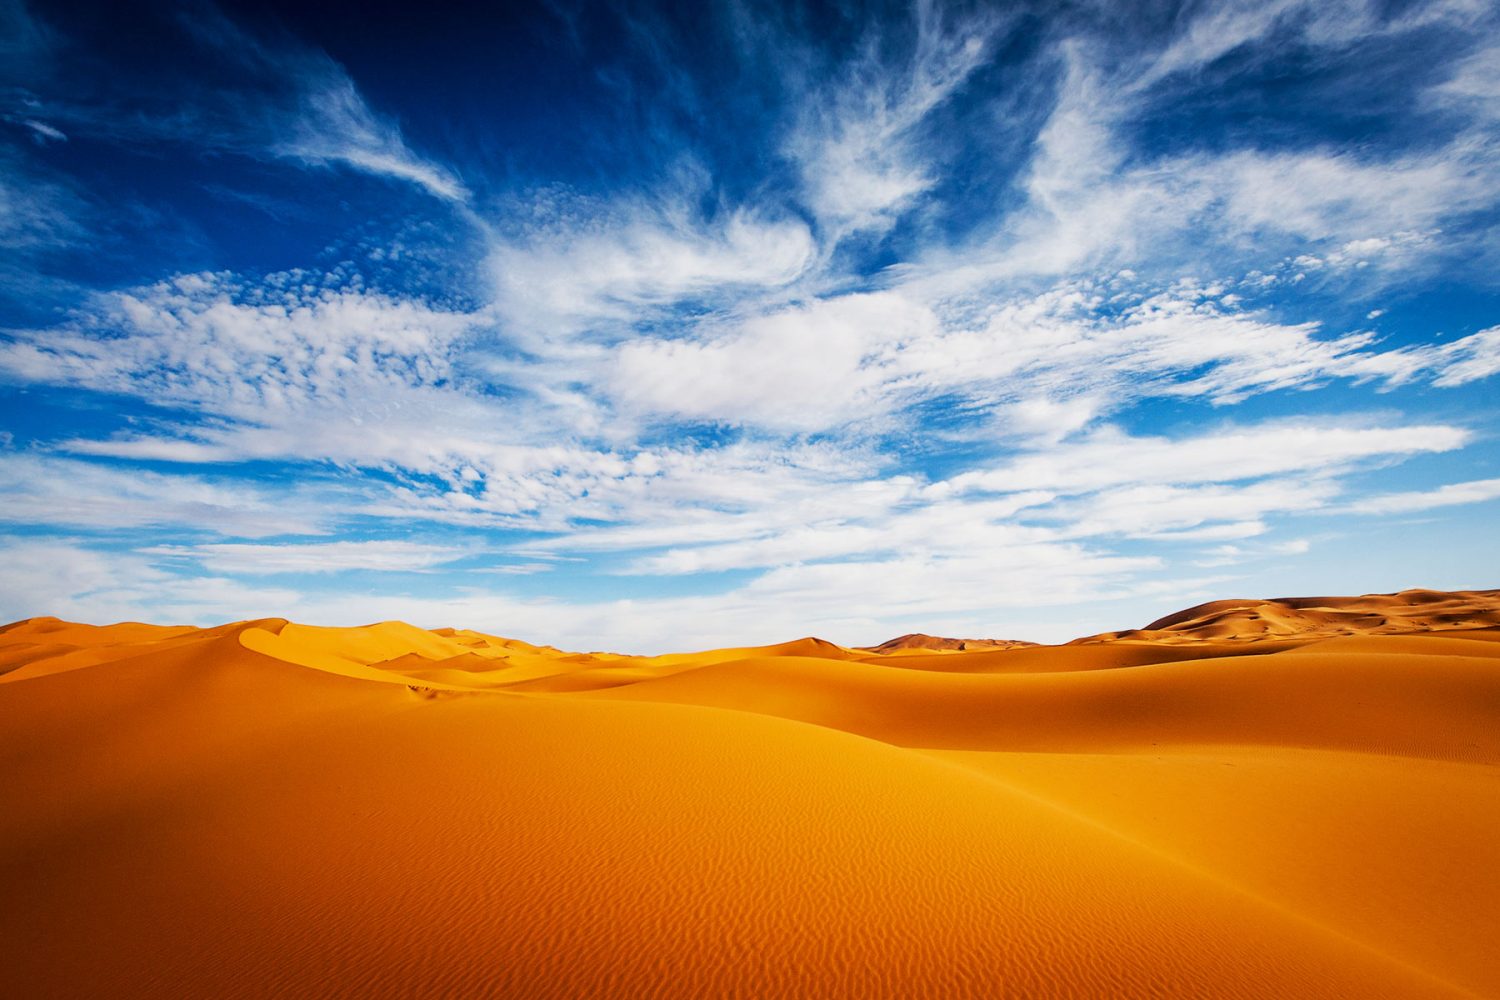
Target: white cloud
1049	419
232	558
293	368
1109	457
1097	197
297	102
1450	495
684	498
1082	205
919	585
38	210
55	577
1087	209
332	124
1474	86
805	368
1231	555
283	368
613	264
857	143
1217	29
1468	359
273	98
216	344
938	530
1232	512
45	132
51	576
1447	365
1040	367
1087	346
1227	531
1335	194
49	490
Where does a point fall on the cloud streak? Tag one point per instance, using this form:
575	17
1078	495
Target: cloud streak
856	144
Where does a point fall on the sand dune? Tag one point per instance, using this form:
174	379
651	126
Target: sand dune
918	641
1292	798
1322	617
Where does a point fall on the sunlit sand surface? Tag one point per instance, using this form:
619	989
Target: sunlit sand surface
1247	799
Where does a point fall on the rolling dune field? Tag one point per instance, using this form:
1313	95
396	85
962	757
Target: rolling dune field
1293	798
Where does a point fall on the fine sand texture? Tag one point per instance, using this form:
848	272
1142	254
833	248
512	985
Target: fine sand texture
1290	798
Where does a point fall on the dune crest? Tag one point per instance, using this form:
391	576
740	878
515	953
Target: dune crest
1322	617
921	641
1298	797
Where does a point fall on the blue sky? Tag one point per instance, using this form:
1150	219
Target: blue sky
641	328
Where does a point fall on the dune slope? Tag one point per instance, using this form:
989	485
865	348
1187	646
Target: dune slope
266	809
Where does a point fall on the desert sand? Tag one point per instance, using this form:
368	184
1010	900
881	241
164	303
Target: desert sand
1294	798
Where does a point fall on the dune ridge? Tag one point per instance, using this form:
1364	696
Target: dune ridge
1408	611
922	641
1298	797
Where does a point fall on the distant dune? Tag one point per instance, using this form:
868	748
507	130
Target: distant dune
1323	617
1281	798
918	641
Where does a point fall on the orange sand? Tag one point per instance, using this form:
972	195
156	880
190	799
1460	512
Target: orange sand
1249	799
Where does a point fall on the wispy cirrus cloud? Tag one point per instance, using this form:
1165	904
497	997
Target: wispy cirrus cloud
1218	30
1413	501
24	38
858	141
1473	86
267	559
38	213
942	530
613	267
1099	195
1109	458
298	103
1197	512
58	576
810	367
56	492
275	98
